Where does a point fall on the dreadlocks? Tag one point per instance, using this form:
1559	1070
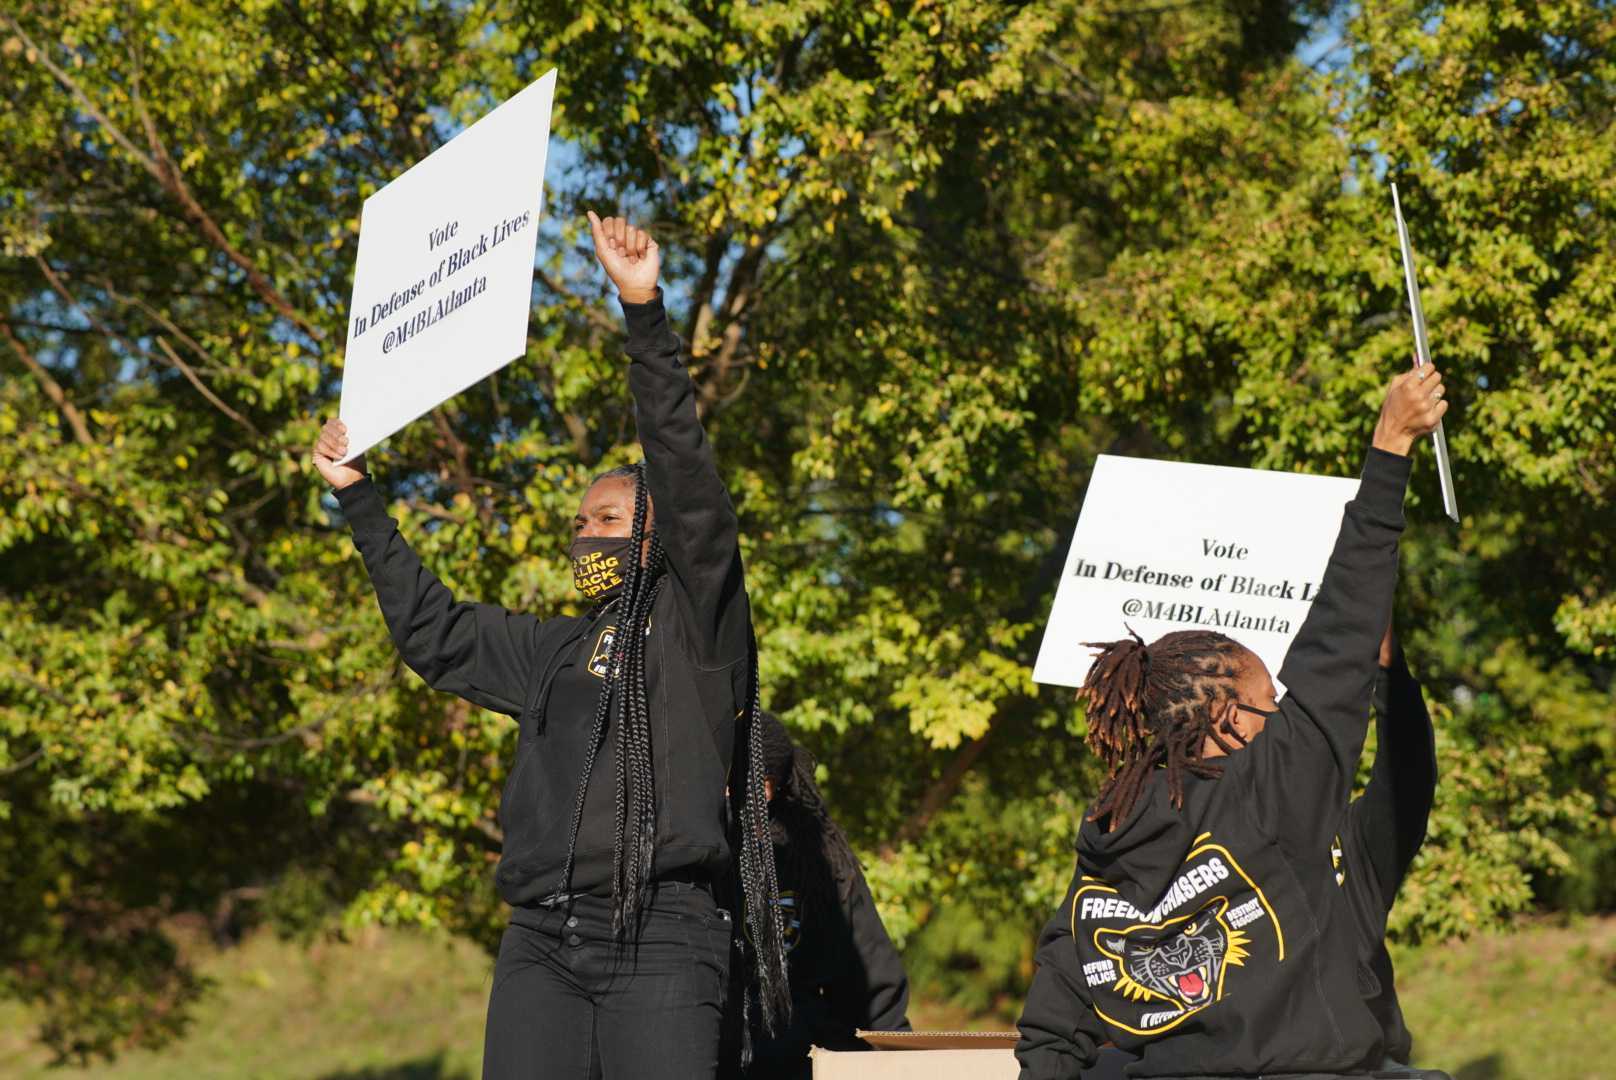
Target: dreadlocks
622	708
818	854
1155	705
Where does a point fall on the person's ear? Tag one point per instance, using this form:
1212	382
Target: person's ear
768	789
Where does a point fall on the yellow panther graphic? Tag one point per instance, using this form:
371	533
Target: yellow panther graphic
1181	961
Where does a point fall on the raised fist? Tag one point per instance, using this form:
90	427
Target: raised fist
629	256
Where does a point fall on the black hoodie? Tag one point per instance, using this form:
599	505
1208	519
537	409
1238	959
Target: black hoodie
845	972
697	670
1214	939
1385	828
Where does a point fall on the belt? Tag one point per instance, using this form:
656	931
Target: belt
698	878
701	879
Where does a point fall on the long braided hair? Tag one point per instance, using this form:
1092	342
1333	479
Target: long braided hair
759	877
623	709
817	856
1156	704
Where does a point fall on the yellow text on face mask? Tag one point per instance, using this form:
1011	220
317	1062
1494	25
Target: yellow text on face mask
596	573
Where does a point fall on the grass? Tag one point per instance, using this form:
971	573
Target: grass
385	1006
1536	1004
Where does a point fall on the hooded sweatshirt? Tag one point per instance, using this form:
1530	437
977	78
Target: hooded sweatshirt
698	675
845	973
1385	829
1213	938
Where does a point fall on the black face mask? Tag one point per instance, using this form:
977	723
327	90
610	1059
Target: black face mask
1266	714
599	565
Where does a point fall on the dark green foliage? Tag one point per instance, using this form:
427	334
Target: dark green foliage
931	257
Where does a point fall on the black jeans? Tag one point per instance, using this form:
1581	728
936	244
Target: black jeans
570	1003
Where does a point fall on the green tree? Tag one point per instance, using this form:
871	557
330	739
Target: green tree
931	257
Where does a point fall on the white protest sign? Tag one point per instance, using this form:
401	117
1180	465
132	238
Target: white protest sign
1164	545
444	275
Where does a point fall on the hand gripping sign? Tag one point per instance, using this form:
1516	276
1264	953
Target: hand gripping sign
444	276
1166	545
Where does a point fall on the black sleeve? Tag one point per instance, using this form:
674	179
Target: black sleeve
481	652
1306	757
874	994
1060	1034
1390	817
694	516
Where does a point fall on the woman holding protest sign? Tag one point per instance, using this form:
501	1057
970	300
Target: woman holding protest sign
1384	830
616	960
1205	929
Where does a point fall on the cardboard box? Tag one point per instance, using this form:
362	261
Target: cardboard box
925	1055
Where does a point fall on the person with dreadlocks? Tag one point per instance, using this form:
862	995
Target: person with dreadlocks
638	775
1384	830
845	973
1205	930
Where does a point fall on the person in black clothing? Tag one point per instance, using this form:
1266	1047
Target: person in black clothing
845	972
619	821
1205	929
1384	830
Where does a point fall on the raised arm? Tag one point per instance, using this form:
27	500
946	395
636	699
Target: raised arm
1391	815
694	516
1307	756
481	652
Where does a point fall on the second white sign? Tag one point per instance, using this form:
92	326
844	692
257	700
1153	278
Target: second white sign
1165	545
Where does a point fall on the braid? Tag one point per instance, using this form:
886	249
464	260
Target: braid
760	884
636	737
1155	705
623	699
623	708
821	860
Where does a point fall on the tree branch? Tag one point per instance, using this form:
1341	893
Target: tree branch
160	319
84	99
202	388
597	318
52	388
701	316
433	510
24	763
577	427
264	741
937	796
712	395
173	180
162	168
458	452
173	358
